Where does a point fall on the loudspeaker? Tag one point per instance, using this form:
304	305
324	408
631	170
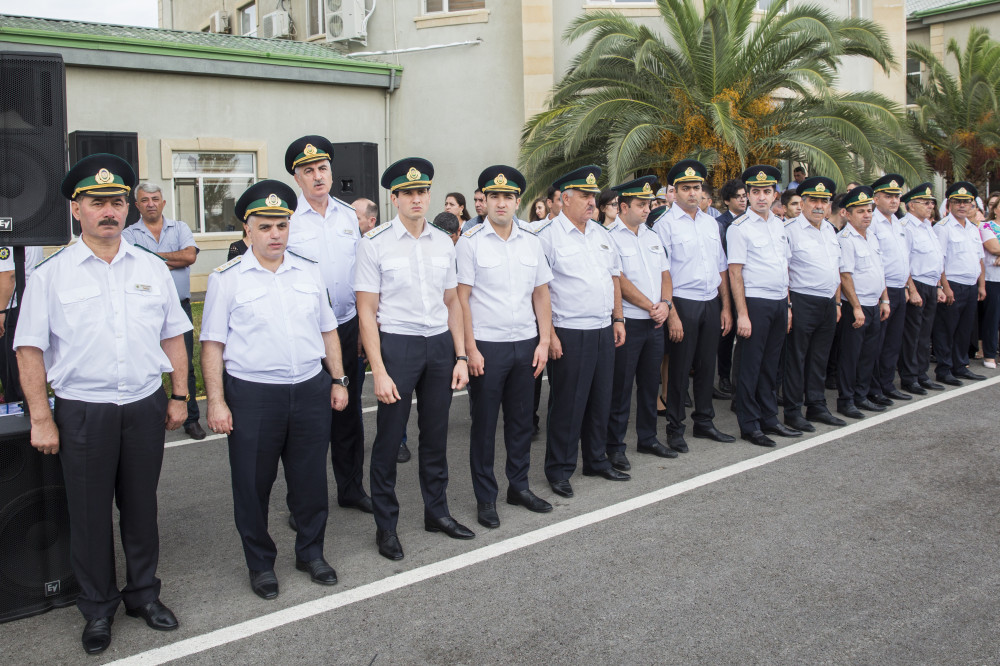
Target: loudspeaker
32	149
35	570
355	171
123	144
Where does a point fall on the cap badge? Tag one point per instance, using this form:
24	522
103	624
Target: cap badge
646	189
500	180
821	188
862	197
761	176
962	190
272	200
591	180
928	191
893	184
104	177
689	172
413	174
309	150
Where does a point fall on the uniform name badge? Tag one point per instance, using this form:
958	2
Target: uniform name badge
143	287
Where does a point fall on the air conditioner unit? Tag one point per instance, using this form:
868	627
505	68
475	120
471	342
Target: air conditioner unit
344	20
276	25
218	22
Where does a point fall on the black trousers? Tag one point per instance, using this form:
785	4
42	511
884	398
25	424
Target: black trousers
579	401
112	453
347	434
953	329
890	341
272	422
807	350
637	361
726	343
9	373
755	364
509	381
421	365
697	350
193	414
858	354
989	323
915	356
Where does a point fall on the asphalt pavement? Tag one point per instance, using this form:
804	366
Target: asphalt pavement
871	544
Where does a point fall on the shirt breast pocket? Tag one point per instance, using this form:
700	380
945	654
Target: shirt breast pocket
79	306
307	299
571	260
863	260
631	261
529	268
439	271
143	299
250	307
396	272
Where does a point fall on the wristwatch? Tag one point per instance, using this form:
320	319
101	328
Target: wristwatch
182	398
883	302
342	381
461	358
669	304
618	320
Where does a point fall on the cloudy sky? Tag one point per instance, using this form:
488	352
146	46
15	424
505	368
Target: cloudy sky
126	12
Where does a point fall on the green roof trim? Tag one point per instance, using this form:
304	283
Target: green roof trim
182	44
954	7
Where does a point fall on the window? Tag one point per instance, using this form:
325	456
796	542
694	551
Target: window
434	6
206	186
913	79
248	20
315	24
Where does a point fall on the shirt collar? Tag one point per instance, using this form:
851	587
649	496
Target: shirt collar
82	251
250	262
304	207
678	213
488	229
400	229
568	226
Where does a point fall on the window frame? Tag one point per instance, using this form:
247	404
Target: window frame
446	8
318	6
199	177
247	10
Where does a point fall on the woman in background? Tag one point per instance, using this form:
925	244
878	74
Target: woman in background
454	203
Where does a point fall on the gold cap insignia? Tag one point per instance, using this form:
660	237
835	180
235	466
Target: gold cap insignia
821	188
104	177
761	176
862	197
962	190
272	200
309	150
928	191
689	172
646	189
893	184
413	174
500	180
590	179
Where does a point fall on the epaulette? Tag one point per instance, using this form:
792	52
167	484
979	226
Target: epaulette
151	252
473	231
441	229
229	264
790	221
524	226
738	221
343	202
377	230
903	221
296	254
51	256
544	225
844	232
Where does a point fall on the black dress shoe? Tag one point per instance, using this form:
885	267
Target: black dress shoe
851	412
403	455
319	571
929	385
449	526
719	394
562	488
965	373
657	449
677	443
915	388
826	418
797	422
897	395
156	615
725	385
781	430
950	380
868	405
264	584
528	500
486	514
711	432
364	505
611	474
619	461
879	399
97	635
292	524
388	545
759	438
194	430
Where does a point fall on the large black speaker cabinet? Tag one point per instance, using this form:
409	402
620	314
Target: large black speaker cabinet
32	149
35	571
123	144
355	171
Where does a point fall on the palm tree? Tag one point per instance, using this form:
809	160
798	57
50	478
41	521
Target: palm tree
958	118
731	88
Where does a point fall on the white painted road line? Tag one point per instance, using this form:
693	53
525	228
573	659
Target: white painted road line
213	639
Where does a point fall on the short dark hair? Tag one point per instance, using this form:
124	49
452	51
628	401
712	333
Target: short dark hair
799	169
551	192
731	189
787	195
447	221
835	203
478	191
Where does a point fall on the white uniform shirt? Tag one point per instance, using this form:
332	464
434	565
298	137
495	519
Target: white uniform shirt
895	249
99	325
331	241
33	255
962	248
409	274
761	246
926	257
272	324
861	257
814	265
643	263
503	275
583	267
992	272
694	247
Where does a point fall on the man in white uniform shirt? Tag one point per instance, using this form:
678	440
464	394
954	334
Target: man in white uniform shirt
503	287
